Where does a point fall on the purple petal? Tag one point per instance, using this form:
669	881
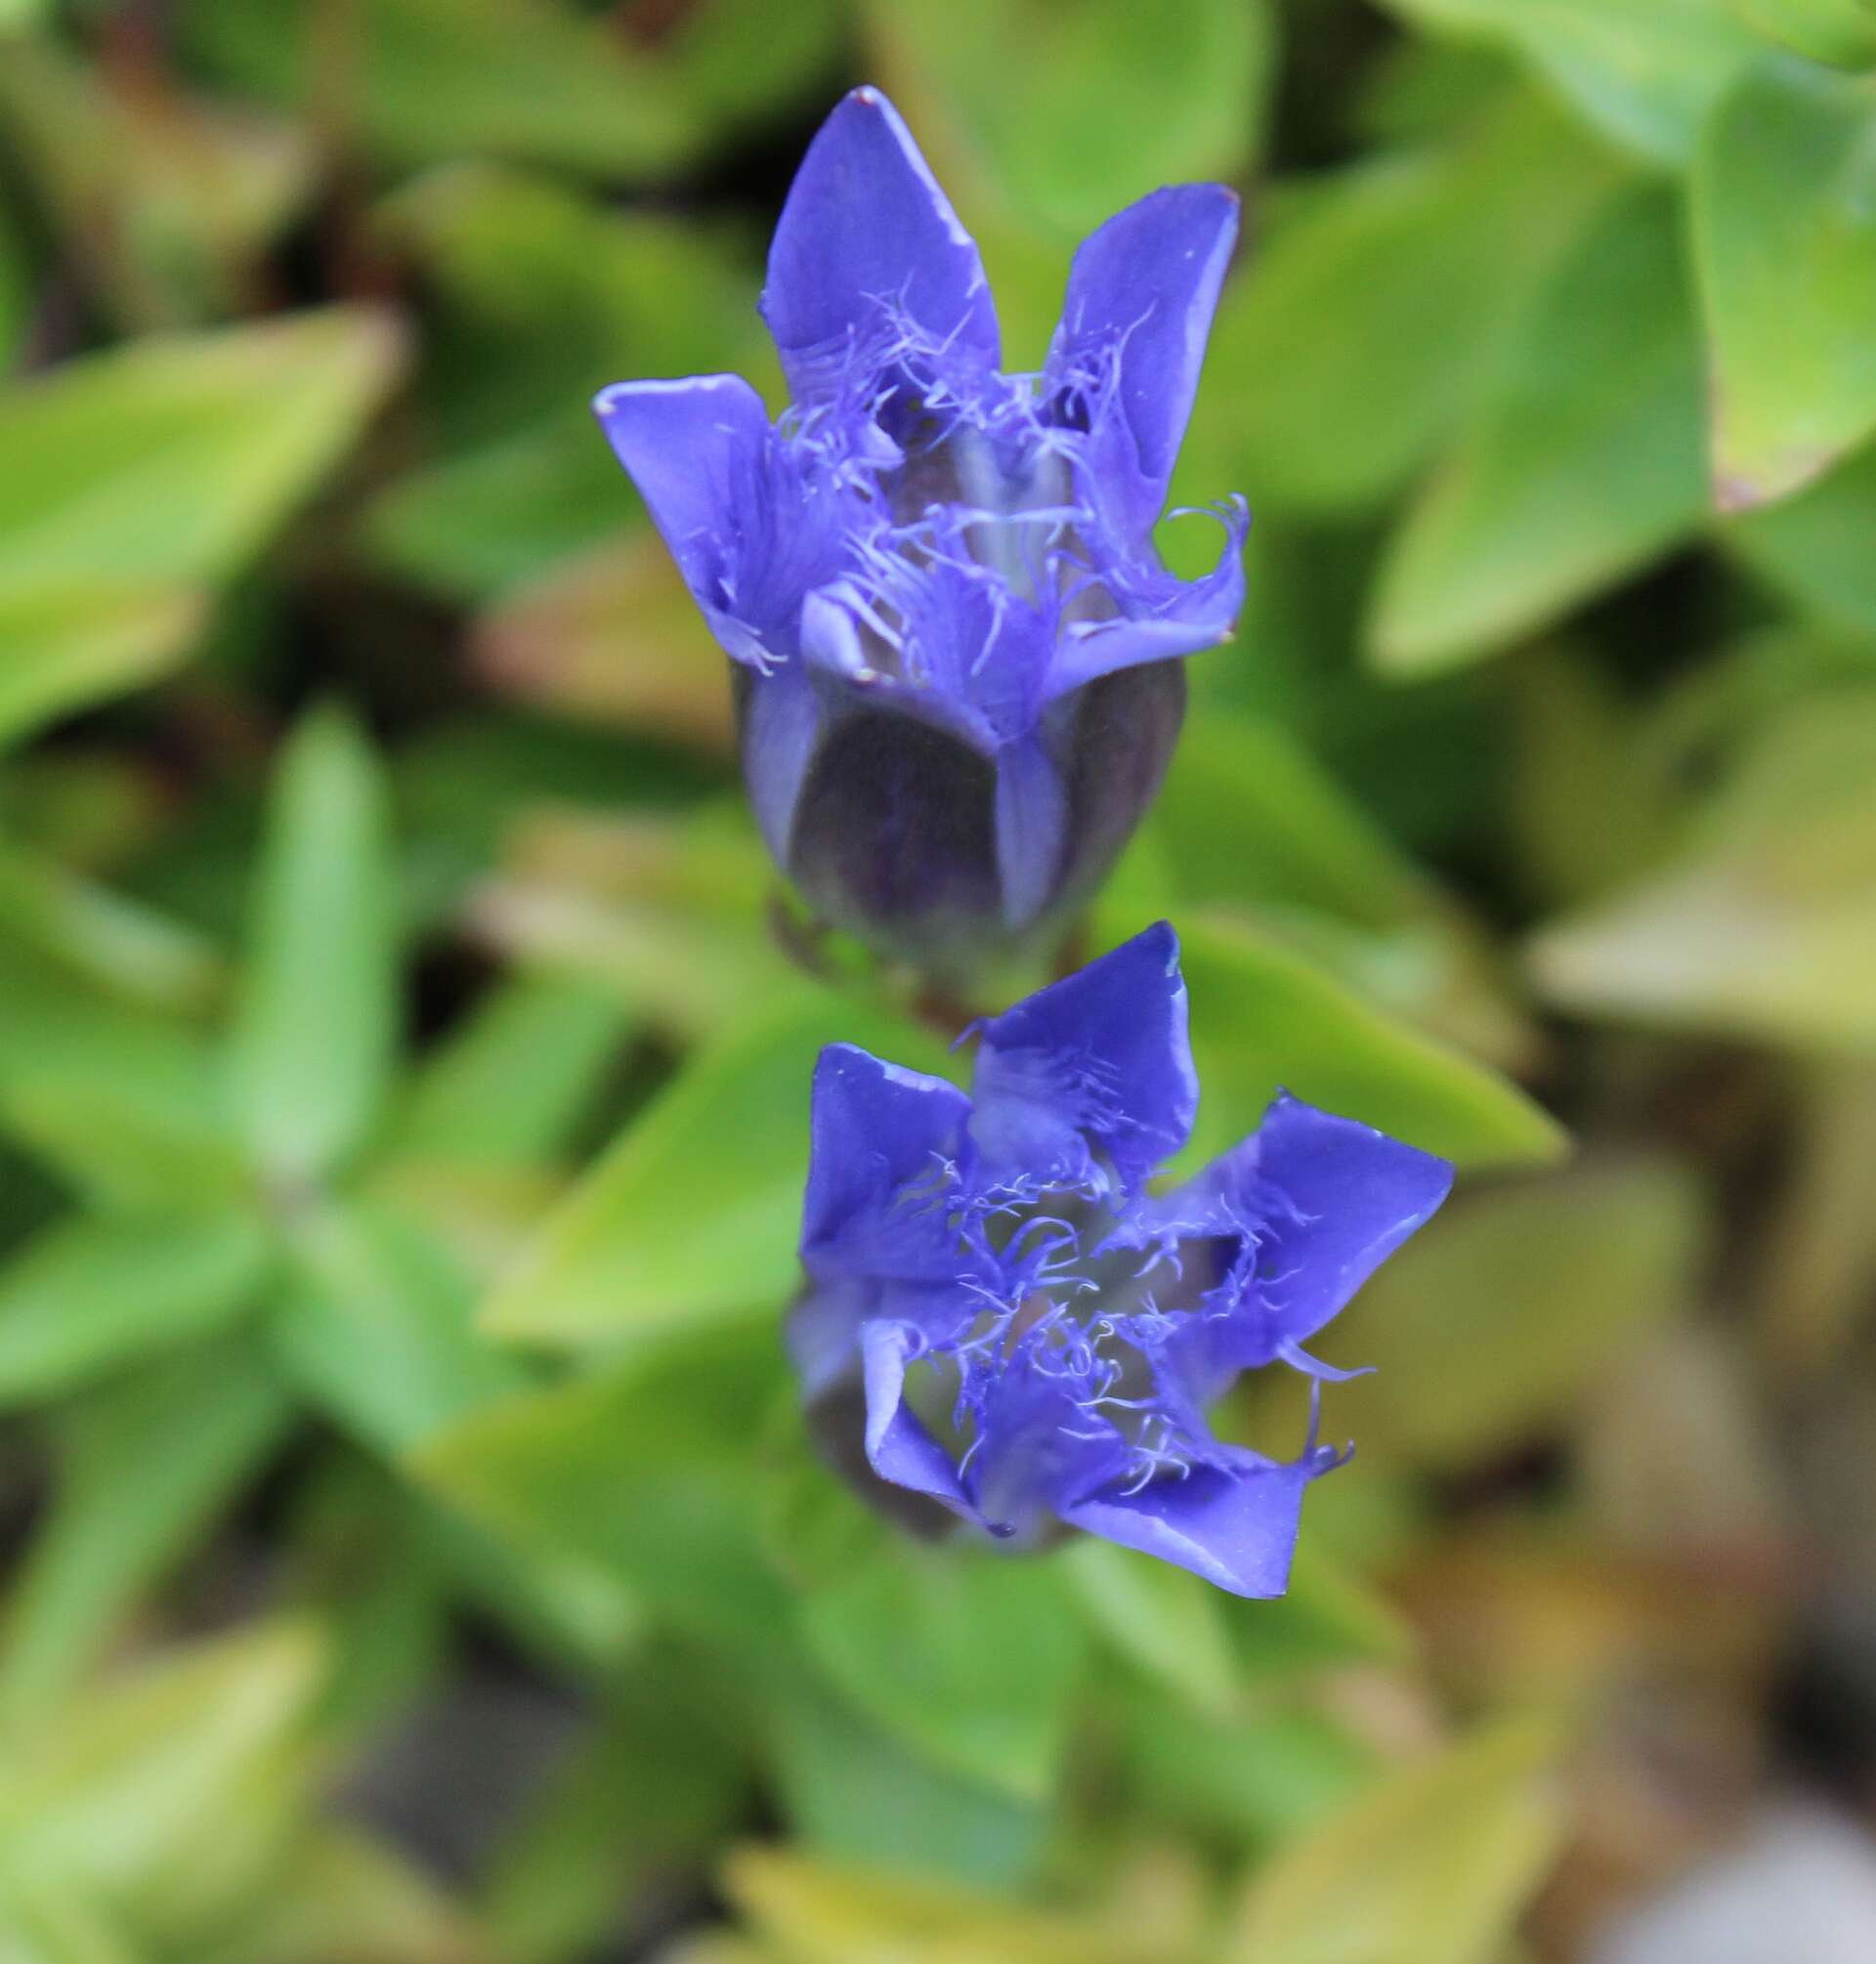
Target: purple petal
1141	297
882	1138
822	1331
1039	1443
1236	1525
866	232
830	640
1100	1060
1328	1199
1174	617
1032	825
1353	1196
688	446
899	1448
780	724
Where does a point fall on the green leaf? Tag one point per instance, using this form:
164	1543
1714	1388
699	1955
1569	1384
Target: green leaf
90	1295
695	1213
1642	71
507	1087
1247	823
1491	1325
473	526
903	1638
543	295
173	459
1839	32
555	292
1445	1853
124	1145
1266	1774
1815	546
1378	304
853	1793
73	642
1264	1017
1783	198
162	1791
42	1923
1330	1615
114	943
741	61
315	1028
374	1327
673	911
444	79
121	1101
859	1916
1585	462
1164	1620
659	1780
143	1465
1248	815
645	1474
345	1896
1078	107
1765	923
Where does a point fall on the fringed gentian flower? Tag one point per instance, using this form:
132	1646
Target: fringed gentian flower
955	648
1001	1324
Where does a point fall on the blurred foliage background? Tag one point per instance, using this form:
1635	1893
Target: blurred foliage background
410	1551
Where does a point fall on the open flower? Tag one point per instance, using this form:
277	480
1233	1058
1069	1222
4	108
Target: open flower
1001	1321
954	647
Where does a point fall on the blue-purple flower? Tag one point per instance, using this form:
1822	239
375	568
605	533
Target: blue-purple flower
953	646
1002	1322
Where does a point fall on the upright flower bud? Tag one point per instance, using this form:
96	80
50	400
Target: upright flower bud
957	650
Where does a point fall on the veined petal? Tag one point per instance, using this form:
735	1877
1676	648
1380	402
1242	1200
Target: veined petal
899	1447
780	718
1186	617
1235	1525
1032	830
867	234
1353	1196
688	446
1036	1442
1099	1060
1316	1204
962	655
883	1138
1141	293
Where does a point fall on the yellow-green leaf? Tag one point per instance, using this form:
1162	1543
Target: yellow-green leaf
315	1026
1264	1018
1643	72
1583	464
165	1791
73	641
1765	923
1839	32
695	1213
1495	1322
1378	305
1432	1865
88	1296
1784	195
171	459
144	1463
